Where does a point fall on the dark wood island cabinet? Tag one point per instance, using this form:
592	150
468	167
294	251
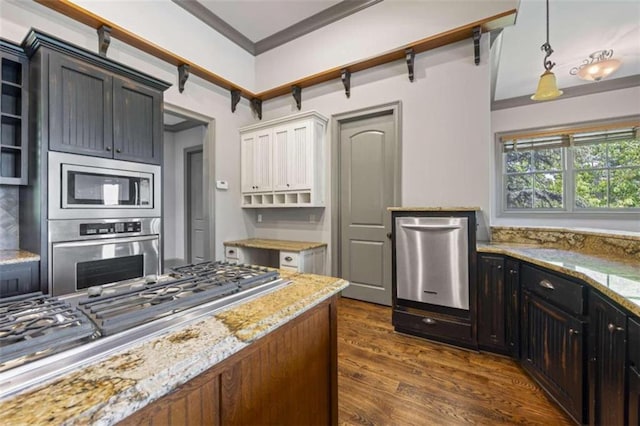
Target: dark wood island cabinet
288	377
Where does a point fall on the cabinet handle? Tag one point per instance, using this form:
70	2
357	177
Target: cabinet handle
547	284
512	272
499	267
389	235
118	150
573	331
429	321
231	251
287	185
612	328
288	258
108	148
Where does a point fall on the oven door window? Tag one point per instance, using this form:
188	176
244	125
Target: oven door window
98	272
86	189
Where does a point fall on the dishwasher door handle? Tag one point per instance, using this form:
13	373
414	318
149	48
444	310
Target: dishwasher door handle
430	227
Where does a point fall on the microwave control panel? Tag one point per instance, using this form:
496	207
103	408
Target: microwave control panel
109	228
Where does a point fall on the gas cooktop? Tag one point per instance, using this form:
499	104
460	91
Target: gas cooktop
41	336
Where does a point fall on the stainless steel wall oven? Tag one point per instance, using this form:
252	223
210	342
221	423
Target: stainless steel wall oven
86	253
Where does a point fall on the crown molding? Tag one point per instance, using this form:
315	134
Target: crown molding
312	23
571	92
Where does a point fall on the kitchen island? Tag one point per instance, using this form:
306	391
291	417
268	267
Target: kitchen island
258	359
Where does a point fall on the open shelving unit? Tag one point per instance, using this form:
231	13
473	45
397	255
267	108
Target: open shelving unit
13	115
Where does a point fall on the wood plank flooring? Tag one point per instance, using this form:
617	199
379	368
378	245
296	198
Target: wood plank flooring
386	378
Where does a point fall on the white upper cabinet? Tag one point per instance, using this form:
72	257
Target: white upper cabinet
283	162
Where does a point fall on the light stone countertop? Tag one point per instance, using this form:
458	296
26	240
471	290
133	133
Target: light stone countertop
8	257
114	388
281	245
617	278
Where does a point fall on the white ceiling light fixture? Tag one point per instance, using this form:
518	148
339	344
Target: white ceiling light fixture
547	86
598	66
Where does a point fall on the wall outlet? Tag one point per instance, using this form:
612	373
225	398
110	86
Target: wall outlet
259	218
222	184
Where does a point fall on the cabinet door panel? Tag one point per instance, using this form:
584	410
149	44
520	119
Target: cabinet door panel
19	278
137	122
80	108
552	351
633	411
607	357
300	157
262	161
491	303
512	295
281	158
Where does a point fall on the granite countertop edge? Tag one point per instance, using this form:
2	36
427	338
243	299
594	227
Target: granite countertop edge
271	244
10	257
185	353
516	251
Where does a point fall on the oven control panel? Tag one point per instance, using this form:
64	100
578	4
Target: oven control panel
109	228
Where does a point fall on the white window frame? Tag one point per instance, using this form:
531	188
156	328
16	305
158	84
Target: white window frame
568	210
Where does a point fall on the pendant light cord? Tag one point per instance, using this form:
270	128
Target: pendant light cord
546	47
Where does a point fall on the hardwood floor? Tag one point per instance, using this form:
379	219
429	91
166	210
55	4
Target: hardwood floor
386	378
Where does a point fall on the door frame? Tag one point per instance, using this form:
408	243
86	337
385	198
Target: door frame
187	196
393	108
208	172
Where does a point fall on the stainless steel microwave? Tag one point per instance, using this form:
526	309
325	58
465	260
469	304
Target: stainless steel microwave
83	187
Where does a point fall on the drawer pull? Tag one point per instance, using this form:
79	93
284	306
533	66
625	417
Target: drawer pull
288	258
429	321
612	328
547	284
574	331
232	251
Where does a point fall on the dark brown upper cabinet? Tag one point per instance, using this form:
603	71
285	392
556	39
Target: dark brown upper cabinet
91	105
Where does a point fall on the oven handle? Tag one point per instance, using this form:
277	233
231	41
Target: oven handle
137	200
86	243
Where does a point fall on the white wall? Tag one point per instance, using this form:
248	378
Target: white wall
385	26
18	17
181	140
599	106
445	135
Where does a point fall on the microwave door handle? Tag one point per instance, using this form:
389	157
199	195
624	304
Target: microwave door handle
135	186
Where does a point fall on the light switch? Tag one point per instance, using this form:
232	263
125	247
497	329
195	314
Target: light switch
222	184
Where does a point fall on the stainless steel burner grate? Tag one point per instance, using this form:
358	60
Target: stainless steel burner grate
34	323
196	285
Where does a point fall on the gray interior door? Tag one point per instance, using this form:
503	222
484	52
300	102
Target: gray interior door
196	220
368	150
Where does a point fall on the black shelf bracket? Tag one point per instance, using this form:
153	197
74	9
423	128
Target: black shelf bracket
235	98
104	39
410	56
183	75
296	91
477	33
346	80
256	106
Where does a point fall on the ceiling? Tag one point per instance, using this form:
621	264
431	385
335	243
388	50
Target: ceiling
577	29
259	19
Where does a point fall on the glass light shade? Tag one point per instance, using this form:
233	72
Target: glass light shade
547	88
599	70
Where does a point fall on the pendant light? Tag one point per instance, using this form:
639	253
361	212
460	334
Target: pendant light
547	87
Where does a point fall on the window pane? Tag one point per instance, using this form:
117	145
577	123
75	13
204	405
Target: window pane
590	156
624	190
517	162
519	192
548	191
625	153
548	159
591	189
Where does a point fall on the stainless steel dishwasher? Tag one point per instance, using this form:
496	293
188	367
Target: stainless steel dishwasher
432	260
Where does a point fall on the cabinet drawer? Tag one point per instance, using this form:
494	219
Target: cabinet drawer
633	334
231	252
559	291
432	326
288	258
